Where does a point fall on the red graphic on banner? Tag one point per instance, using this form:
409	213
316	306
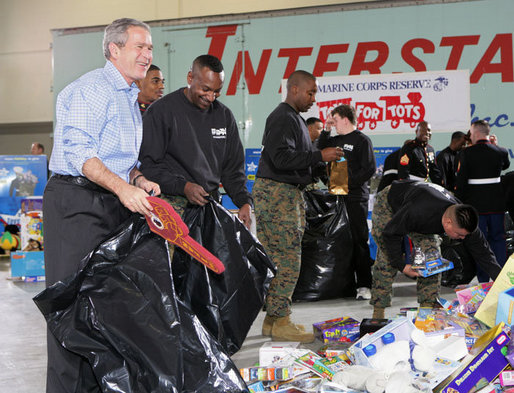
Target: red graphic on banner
411	112
325	107
368	112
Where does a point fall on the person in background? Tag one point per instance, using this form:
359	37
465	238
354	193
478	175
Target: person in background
424	212
151	88
319	171
95	183
478	183
358	151
447	159
285	169
37	149
315	127
417	158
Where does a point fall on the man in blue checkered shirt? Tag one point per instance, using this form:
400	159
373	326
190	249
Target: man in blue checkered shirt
96	182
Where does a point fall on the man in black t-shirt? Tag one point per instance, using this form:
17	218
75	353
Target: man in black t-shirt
358	151
191	143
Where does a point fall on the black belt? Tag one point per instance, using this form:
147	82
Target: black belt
80	181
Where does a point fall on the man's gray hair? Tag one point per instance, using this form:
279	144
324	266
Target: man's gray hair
116	33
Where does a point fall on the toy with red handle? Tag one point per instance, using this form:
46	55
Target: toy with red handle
166	222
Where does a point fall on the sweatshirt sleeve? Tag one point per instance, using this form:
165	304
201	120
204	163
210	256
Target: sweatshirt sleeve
281	145
156	134
482	254
367	164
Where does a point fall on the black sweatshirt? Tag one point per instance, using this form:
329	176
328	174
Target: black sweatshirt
183	143
418	207
358	151
287	152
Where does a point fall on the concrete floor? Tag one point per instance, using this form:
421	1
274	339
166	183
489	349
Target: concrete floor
23	328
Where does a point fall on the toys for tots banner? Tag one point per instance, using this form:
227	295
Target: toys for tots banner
396	103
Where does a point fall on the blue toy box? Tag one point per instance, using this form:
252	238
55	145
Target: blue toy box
27	264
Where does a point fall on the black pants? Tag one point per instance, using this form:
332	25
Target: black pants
361	260
77	218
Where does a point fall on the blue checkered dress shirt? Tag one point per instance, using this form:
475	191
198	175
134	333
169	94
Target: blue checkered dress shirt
97	115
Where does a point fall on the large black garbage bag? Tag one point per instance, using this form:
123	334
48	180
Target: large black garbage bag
327	248
121	313
227	303
464	268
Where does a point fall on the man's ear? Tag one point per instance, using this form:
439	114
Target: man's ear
189	77
114	50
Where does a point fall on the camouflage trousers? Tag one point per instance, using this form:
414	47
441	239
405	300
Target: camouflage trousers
280	219
384	273
179	203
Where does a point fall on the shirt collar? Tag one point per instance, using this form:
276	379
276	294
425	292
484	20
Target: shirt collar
114	75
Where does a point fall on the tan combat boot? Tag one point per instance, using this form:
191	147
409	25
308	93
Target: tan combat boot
285	330
267	325
378	313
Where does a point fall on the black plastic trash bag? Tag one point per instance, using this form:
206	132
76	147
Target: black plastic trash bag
121	313
327	248
227	303
464	268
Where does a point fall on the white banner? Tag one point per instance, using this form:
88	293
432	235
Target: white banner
396	103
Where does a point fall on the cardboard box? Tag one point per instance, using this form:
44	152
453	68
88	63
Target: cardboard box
339	329
505	309
27	264
486	313
483	365
271	352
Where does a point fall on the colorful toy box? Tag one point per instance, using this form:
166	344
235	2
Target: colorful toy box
482	366
28	264
339	329
471	298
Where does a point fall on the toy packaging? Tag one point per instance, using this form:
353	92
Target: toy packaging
339	329
250	374
471	298
505	308
28	264
481	366
334	349
271	352
435	266
486	313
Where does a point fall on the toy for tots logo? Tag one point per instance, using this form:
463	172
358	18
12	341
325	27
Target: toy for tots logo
387	109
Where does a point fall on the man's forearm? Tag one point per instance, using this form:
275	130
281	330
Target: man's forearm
97	172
